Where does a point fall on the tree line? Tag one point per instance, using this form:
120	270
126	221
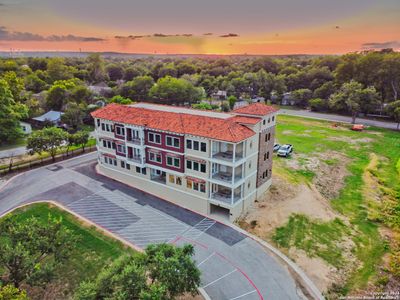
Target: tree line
31	86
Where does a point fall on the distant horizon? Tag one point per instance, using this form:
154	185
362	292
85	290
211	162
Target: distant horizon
222	27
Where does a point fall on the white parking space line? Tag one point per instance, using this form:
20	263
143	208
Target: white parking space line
218	279
246	294
208	257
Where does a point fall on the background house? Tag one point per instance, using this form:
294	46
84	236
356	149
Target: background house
51	116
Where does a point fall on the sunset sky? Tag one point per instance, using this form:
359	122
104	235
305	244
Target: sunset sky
200	26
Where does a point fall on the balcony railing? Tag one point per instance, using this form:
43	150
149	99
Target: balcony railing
136	141
226	177
227	156
225	197
136	159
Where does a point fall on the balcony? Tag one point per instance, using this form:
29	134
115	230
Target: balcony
227	151
226	195
136	159
226	174
135	140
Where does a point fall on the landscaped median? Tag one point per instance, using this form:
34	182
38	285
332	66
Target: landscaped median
76	260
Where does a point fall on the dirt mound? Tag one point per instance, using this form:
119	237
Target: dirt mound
282	200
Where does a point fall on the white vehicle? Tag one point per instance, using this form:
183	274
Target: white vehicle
285	150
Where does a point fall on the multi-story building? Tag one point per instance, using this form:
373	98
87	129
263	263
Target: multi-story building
210	162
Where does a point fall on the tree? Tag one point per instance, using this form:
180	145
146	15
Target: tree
30	250
115	72
57	70
81	138
353	98
393	109
46	140
10	292
80	94
174	90
163	272
73	115
120	100
232	100
138	88
318	104
59	92
302	96
96	68
34	83
173	268
10	114
15	84
124	279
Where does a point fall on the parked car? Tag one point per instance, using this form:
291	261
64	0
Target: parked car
276	147
285	150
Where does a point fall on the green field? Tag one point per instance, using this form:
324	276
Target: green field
363	216
93	252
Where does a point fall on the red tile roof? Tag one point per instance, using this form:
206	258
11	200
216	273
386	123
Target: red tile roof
256	109
214	128
245	120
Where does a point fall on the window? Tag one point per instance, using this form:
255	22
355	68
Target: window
121	149
171	178
173	162
141	170
189	164
138	170
195	166
103	127
263	122
189	144
200	187
115	162
251	145
154	138
203	168
108	127
265	156
104	144
155	157
268	155
269	136
189	184
120	130
122	164
203	147
249	165
248	185
106	159
113	145
273	118
175	179
269	120
144	171
128	166
98	122
266	137
196	145
172	141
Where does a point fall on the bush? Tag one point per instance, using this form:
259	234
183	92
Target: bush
202	105
318	104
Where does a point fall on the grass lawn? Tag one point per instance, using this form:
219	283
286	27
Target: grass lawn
312	137
93	251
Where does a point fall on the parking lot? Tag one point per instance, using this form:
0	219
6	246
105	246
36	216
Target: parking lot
233	266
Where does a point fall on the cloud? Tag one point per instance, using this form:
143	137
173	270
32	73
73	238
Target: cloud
7	35
160	35
208	33
229	35
384	45
131	37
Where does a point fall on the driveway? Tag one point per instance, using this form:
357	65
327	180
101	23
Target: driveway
233	265
337	118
